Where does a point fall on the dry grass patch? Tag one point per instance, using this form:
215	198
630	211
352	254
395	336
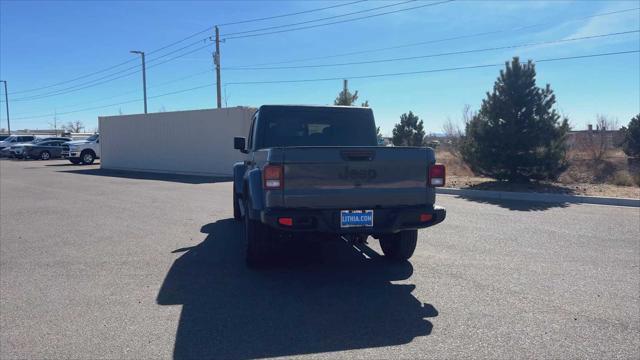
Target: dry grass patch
613	176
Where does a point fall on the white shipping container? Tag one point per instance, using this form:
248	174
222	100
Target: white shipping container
198	142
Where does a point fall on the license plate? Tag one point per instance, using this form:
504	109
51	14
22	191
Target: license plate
356	218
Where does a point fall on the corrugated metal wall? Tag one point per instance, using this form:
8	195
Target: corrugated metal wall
186	142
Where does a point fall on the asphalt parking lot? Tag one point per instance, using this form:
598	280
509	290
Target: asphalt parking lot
97	264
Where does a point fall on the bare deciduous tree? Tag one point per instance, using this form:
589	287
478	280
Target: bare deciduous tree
74	126
467	114
454	134
599	141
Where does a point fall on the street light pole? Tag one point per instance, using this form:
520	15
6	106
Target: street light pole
144	78
216	59
6	102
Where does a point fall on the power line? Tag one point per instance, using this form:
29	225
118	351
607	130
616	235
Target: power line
74	79
422	71
458	37
341	78
339	21
114	104
320	19
83	85
79	110
435	54
126	72
182	40
152	86
109	78
289	14
184	90
199	41
178	42
108	68
104	70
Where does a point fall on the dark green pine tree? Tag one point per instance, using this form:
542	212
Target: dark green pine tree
517	135
346	98
631	144
409	131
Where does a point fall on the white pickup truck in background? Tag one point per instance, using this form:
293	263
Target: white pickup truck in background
82	151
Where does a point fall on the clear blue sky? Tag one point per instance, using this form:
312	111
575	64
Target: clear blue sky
43	43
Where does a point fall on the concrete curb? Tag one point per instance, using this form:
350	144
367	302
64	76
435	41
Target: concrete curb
539	197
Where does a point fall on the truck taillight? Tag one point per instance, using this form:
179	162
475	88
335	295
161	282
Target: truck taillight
272	177
436	175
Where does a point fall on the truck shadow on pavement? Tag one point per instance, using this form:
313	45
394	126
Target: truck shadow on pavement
516	205
309	303
187	179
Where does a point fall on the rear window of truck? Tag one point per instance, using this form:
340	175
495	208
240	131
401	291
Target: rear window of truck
316	127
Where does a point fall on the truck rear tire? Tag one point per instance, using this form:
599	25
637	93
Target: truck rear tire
258	245
400	246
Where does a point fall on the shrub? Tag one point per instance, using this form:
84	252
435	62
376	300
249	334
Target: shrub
622	178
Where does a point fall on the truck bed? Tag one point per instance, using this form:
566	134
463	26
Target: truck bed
326	177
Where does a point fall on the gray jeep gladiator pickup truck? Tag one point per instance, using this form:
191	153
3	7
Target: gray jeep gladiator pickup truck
318	169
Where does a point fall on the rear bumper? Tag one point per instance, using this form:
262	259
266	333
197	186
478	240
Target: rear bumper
388	220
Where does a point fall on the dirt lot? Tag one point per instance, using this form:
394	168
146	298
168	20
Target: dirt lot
613	176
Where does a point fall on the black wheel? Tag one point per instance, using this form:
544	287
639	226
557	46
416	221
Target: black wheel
45	155
399	246
258	242
75	161
236	209
87	157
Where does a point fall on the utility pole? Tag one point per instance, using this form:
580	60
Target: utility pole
216	60
6	102
345	87
144	78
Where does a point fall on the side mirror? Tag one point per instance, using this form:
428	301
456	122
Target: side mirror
240	143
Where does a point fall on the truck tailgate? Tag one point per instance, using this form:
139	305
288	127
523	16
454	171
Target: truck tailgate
356	177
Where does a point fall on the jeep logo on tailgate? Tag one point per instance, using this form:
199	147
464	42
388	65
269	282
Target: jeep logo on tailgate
357	174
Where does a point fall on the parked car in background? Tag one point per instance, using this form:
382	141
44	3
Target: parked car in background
13	140
17	151
61	138
43	150
5	152
82	151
